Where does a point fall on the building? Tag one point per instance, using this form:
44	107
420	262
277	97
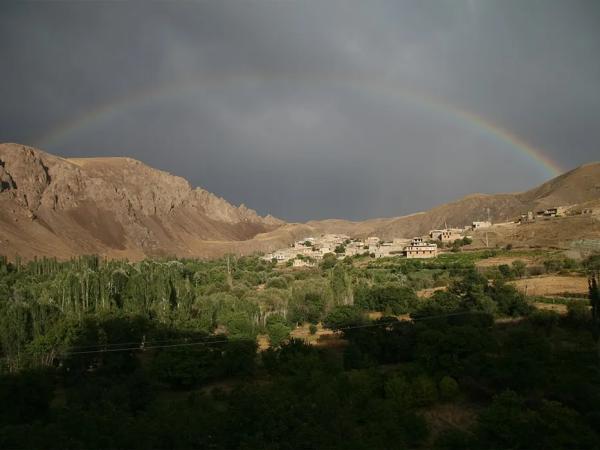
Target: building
446	235
303	263
479	225
372	240
351	251
420	249
527	218
552	212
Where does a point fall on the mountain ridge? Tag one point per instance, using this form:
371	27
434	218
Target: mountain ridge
120	207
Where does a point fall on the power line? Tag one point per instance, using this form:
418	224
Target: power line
188	344
207	341
117	344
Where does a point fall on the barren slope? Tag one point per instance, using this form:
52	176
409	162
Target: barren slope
117	207
121	208
580	186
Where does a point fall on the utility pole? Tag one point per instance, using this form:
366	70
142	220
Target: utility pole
229	279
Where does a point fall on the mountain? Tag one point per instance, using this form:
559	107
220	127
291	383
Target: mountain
122	208
117	207
573	188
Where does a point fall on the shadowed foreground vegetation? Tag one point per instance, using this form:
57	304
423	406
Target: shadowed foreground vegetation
163	354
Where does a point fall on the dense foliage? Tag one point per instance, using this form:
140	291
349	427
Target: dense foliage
163	354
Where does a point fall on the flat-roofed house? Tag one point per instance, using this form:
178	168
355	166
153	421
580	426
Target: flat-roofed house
420	249
372	240
303	263
446	235
482	224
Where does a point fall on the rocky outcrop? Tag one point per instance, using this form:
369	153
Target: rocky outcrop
114	204
121	208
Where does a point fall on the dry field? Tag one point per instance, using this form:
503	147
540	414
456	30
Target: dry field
324	337
499	260
426	293
552	285
556	307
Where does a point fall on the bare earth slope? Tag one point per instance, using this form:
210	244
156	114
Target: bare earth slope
121	208
580	186
117	207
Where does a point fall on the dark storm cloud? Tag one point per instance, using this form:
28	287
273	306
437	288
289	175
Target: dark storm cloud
299	108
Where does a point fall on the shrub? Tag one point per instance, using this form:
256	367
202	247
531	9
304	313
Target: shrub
448	388
390	297
509	300
424	391
278	330
578	314
399	390
519	267
277	282
545	319
505	271
344	316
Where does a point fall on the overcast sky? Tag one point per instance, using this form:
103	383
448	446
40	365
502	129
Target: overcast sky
310	109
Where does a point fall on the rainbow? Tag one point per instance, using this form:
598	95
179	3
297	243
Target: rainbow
460	115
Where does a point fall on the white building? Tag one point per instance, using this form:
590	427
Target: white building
372	240
479	225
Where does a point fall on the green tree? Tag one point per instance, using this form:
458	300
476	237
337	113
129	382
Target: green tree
448	388
278	330
344	316
519	268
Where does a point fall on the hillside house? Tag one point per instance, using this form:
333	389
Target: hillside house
446	235
527	218
388	249
302	263
420	249
552	212
372	240
481	224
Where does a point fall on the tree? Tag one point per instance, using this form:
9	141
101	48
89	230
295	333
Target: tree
505	271
509	300
519	267
277	282
448	388
390	297
399	390
329	261
509	423
424	391
341	286
278	330
344	316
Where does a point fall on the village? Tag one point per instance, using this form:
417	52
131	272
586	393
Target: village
309	251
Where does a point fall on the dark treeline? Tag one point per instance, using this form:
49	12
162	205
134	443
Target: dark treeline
163	354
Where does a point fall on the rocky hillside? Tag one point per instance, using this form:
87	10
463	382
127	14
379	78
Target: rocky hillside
576	187
116	207
121	208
